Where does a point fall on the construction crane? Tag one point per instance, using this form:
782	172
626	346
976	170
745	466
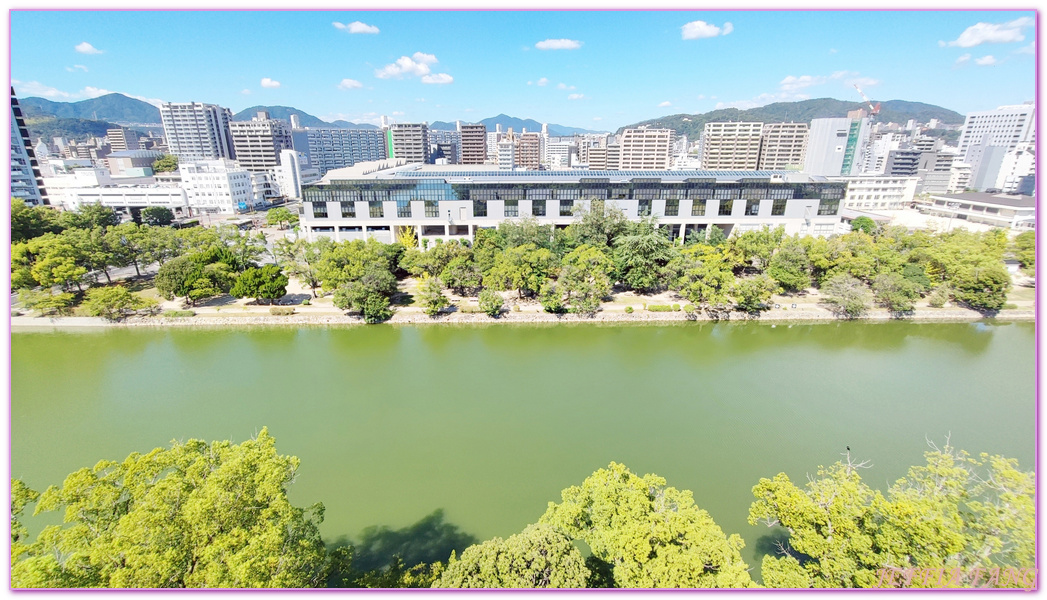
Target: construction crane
873	110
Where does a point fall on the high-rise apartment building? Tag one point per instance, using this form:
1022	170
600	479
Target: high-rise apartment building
1006	126
197	131
334	148
836	146
473	148
122	138
258	142
26	181
646	149
596	158
731	146
529	151
614	157
782	146
409	141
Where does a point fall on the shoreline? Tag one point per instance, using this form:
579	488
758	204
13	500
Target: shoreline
417	317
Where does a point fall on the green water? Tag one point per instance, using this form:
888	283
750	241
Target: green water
489	423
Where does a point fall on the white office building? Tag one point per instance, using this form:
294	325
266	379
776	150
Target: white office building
292	173
219	186
874	192
1006	126
259	142
837	146
646	149
197	131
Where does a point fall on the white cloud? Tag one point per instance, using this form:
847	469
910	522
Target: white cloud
356	27
369	117
832	50
438	79
696	30
398	113
35	88
991	33
701	96
863	82
93	92
664	104
560	44
575	96
543	81
598	118
85	48
350	84
1030	49
530	83
269	83
564	86
963	59
470	110
792	83
986	61
75	68
417	65
245	92
762	100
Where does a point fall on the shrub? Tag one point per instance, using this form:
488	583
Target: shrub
676	308
1010	306
281	311
659	308
629	310
490	302
178	313
516	308
939	296
689	308
306	302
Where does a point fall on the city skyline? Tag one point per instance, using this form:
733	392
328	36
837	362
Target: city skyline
594	69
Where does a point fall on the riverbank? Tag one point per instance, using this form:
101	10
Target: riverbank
412	315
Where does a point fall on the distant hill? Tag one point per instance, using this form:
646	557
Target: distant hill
897	111
111	107
518	125
307	120
72	129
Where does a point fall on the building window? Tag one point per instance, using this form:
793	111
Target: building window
726	193
778	208
348	210
319	210
828	207
752	207
432	208
726	206
479	208
512	208
538	208
375	207
643	208
566	208
697	208
403	209
672	208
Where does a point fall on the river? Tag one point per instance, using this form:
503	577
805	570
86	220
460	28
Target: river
489	423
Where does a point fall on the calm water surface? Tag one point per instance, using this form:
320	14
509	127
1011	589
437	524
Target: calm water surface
489	423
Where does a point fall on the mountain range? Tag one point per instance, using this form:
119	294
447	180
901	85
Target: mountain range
110	107
891	111
307	120
518	125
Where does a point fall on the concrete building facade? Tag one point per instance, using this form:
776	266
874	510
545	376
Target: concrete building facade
218	186
122	138
731	146
409	141
197	131
783	146
878	192
26	181
334	148
837	146
646	149
473	148
259	142
1005	126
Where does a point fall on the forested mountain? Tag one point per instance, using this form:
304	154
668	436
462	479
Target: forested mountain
111	107
897	111
307	120
70	129
518	125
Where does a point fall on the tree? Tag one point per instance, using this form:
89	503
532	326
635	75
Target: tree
982	286
705	277
129	242
490	302
28	222
195	515
462	275
46	303
245	248
93	250
521	268
177	277
848	295
641	254
790	266
956	512
526	231
89	216
165	164
539	557
1025	249
159	244
368	294
653	535
894	292
757	246
598	225
111	302
752	293
585	276
433	299
864	224
714	236
157	215
55	261
302	258
551	297
267	283
279	216
434	260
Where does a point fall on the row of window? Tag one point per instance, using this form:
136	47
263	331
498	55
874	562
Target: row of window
376	208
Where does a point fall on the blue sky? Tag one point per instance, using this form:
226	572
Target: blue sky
598	70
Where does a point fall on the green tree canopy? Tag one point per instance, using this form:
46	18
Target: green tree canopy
28	222
195	515
865	224
112	302
433	299
490	302
1024	249
279	216
847	295
267	283
539	557
641	255
157	215
597	224
585	276
653	535
790	266
88	216
521	268
165	164
752	293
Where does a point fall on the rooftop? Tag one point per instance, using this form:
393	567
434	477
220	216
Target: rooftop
1012	200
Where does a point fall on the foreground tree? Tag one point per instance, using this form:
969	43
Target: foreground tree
112	302
1024	249
279	216
864	224
490	302
974	514
369	294
539	557
28	222
982	286
847	295
641	254
752	293
705	278
894	292
157	216
433	299
195	515
521	268
585	277
652	535
266	284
